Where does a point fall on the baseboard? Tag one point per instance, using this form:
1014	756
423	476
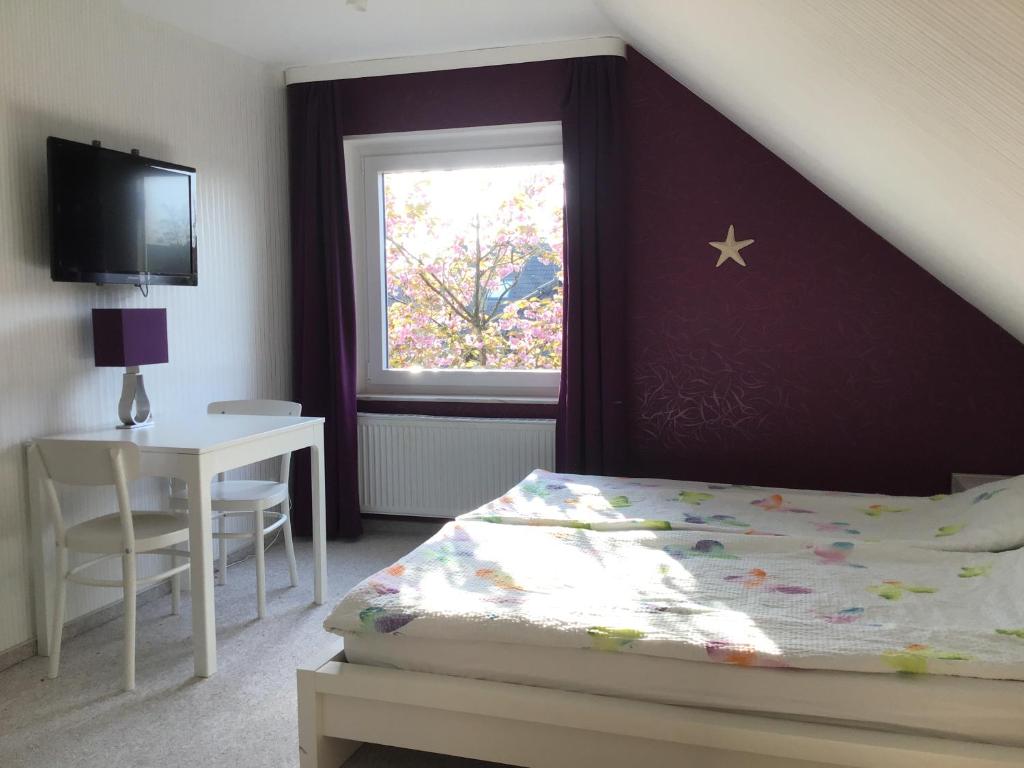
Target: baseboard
106	614
402	518
396	525
75	627
17	654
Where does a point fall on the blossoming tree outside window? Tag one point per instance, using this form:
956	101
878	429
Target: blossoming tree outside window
473	268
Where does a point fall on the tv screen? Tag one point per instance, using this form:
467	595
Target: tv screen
117	217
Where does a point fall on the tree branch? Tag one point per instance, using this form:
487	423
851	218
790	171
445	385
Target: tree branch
442	293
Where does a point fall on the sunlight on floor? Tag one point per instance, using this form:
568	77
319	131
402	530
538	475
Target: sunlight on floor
245	712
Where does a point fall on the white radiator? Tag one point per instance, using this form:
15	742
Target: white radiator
441	467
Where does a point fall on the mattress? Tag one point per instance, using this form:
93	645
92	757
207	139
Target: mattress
749	601
987	518
971	709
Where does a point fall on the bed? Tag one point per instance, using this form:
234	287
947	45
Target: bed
565	625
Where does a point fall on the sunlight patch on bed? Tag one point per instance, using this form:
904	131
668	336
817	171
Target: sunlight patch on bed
735	628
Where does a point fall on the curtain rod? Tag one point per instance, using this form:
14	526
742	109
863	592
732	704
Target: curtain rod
481	57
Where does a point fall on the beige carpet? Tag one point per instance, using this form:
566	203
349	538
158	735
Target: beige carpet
243	716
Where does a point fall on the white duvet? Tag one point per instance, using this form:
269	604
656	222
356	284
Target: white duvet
987	518
832	603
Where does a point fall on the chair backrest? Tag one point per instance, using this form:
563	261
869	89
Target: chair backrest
90	463
261	408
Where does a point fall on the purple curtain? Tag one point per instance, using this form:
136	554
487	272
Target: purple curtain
323	302
591	403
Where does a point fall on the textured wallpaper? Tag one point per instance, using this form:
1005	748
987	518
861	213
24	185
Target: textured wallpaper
830	361
94	71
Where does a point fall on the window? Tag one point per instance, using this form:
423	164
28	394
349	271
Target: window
457	238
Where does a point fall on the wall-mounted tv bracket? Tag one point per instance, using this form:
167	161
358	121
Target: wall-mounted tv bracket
96	143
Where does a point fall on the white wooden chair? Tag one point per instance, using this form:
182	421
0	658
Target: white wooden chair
124	534
252	498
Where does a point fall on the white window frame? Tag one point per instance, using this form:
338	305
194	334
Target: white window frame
366	158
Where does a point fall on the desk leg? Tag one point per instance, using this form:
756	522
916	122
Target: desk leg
200	540
42	553
319	516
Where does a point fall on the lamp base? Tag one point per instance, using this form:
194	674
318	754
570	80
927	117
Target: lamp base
133	408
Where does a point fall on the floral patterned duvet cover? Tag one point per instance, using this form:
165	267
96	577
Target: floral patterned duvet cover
833	602
988	518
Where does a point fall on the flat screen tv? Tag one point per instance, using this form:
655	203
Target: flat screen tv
118	217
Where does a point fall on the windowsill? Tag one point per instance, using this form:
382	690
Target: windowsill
459	399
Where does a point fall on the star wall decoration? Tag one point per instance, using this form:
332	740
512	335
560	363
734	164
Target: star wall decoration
730	248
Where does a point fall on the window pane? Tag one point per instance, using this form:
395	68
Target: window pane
473	268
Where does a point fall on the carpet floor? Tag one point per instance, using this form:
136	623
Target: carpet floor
242	716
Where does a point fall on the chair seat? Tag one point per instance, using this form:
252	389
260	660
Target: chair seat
103	535
239	495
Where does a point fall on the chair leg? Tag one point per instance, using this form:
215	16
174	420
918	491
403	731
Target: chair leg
261	569
128	566
222	550
289	547
175	588
58	610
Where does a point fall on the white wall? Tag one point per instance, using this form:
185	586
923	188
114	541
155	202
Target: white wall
92	70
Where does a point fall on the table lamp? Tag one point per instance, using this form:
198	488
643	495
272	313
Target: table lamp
129	338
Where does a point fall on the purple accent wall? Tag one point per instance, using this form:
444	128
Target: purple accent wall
457	98
831	361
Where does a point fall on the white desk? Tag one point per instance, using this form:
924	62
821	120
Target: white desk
194	449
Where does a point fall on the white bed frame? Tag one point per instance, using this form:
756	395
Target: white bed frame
342	705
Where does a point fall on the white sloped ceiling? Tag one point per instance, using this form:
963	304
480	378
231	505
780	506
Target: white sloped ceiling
910	113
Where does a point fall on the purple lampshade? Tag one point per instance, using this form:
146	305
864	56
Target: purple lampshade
129	337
